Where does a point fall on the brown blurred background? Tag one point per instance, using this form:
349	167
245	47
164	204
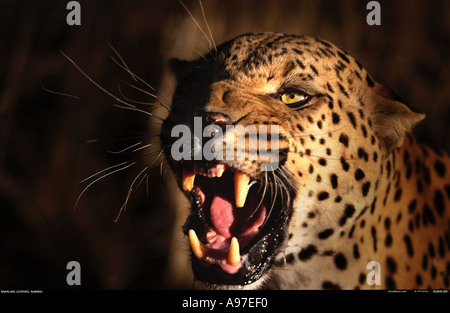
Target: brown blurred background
50	142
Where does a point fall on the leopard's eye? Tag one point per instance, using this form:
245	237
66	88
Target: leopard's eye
294	99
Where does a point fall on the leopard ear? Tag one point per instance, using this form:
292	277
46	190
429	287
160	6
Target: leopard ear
180	68
391	117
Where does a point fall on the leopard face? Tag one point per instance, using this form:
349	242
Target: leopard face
337	130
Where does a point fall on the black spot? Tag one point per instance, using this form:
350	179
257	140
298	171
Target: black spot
313	68
411	226
362	154
388	168
428	216
326	233
352	119
425	261
426	174
433	272
343	57
359	174
299	52
334	181
330	89
352	230
342	89
345	165
419	186
300	63
364	131
340	261
343	138
390	283
373	205
338	199
438	201
322	162
441	248
362	278
447	191
348	212
311	214
288	68
323	196
335	118
299	127
373	231
356	254
419	281
365	188
307	253
412	206
440	168
375	156
369	81
398	195
330	286
311	169
387	223
388	240
409	247
391	265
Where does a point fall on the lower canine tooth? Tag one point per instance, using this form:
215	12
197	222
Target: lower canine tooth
241	181
234	257
188	179
197	247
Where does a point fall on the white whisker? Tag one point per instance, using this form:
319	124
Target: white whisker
100	178
196	23
95	83
124	206
126	149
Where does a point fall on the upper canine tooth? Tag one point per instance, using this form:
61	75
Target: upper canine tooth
188	178
219	172
241	181
234	257
197	247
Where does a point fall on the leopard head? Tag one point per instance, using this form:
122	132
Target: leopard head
266	131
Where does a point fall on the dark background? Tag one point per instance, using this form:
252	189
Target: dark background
44	152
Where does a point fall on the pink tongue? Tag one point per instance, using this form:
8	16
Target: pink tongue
230	221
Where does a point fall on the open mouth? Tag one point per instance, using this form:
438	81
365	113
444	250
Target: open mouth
237	223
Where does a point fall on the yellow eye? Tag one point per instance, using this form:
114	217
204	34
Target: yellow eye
291	98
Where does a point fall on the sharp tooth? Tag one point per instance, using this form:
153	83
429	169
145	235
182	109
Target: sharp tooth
188	178
219	172
197	247
241	181
234	257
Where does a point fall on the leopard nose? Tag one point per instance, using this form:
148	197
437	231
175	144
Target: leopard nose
219	119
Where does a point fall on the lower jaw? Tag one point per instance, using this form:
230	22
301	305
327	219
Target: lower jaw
256	259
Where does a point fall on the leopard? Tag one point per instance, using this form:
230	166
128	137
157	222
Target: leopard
354	201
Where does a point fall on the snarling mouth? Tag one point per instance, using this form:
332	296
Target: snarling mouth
237	223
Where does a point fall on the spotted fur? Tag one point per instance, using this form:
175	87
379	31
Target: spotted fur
363	188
